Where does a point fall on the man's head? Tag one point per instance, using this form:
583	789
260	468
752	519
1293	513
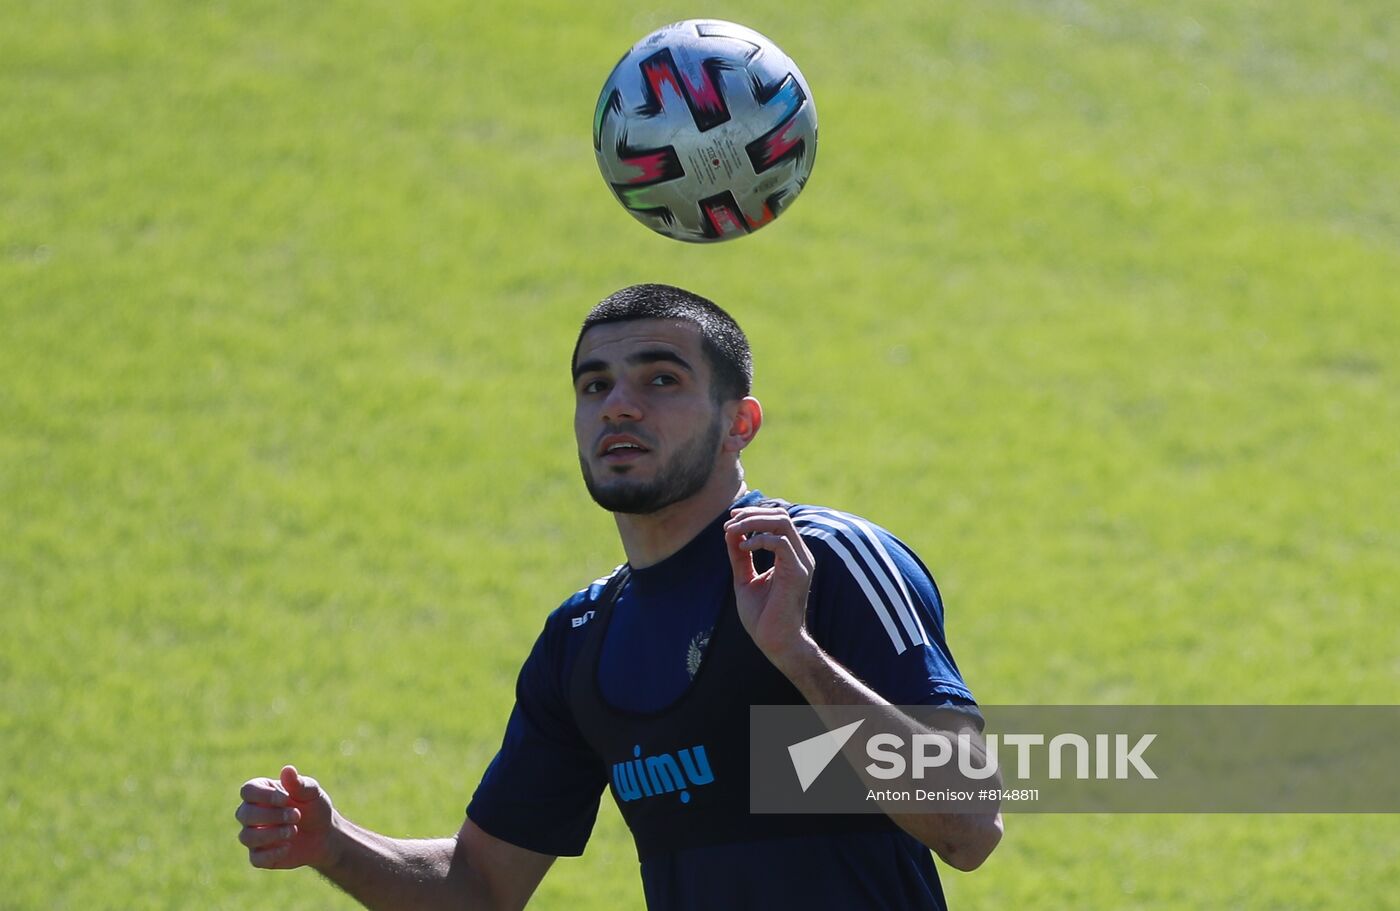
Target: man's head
661	382
723	342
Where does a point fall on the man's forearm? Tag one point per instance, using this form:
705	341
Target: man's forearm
387	874
963	840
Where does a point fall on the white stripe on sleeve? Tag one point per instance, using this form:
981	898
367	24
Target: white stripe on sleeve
862	578
864	540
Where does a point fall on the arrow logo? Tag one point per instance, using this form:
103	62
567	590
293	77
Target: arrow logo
811	756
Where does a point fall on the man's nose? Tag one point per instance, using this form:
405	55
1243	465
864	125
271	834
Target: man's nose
621	404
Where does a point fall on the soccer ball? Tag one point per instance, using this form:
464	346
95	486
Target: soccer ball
705	131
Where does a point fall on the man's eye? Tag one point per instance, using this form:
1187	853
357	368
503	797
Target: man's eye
663	379
593	386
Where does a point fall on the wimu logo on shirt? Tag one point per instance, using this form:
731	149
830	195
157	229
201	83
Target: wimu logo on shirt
663	773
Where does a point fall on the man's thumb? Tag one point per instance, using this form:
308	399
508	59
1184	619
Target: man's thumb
299	788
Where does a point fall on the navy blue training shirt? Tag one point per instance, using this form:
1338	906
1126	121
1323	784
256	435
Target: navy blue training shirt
873	607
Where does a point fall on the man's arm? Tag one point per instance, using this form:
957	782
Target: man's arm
773	607
290	822
962	840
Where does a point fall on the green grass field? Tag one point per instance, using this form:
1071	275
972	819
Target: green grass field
1096	305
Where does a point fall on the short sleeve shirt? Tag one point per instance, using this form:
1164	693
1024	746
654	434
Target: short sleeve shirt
873	607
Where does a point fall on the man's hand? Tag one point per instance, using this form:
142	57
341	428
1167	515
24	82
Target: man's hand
773	607
289	822
773	604
286	822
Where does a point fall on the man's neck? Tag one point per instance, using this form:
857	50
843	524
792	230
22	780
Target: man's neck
649	539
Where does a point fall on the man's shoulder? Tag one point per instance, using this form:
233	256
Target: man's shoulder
840	531
581	607
560	640
858	559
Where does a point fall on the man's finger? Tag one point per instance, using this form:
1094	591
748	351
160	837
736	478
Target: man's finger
299	787
758	510
253	814
747	525
256	837
766	522
264	791
740	560
778	545
773	525
268	858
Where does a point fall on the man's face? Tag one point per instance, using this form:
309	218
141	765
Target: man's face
649	432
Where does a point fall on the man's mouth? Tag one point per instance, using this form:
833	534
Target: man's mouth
621	449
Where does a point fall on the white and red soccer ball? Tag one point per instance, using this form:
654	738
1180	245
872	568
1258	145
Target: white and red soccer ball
705	130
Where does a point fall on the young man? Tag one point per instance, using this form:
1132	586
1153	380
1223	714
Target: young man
726	600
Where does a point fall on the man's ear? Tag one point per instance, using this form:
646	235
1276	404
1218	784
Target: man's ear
743	427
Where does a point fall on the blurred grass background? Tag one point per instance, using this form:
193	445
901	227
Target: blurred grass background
1095	304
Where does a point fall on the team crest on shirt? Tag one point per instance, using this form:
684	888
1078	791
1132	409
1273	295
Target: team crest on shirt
696	651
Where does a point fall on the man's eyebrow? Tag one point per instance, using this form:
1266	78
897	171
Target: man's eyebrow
660	355
593	366
648	356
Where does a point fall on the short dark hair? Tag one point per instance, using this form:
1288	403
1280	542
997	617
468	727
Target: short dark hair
721	339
